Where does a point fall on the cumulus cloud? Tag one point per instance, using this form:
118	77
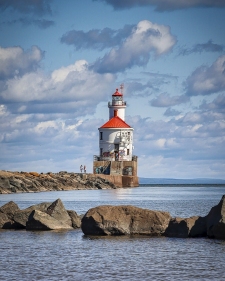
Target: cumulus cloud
146	38
164	5
196	136
165	100
39	7
53	144
14	61
218	104
207	80
69	89
96	38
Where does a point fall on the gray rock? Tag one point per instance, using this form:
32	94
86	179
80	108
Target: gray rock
21	217
124	220
58	212
10	209
216	220
199	229
186	227
42	221
5	222
75	218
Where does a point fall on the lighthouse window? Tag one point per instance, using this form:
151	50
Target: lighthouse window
101	151
101	135
128	151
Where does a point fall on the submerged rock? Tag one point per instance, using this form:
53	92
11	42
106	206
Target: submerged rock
216	221
122	220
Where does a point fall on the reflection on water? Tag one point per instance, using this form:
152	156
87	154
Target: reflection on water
69	255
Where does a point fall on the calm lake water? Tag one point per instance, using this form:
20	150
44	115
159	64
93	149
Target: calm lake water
69	255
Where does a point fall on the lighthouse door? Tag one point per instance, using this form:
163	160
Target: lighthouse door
116	150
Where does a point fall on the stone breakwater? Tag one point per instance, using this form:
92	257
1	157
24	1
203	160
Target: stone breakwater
14	182
114	220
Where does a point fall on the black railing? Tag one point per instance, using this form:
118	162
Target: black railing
117	103
102	158
134	158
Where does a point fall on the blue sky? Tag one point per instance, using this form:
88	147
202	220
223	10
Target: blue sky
60	62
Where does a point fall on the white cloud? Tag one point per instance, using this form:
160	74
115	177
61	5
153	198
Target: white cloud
74	88
146	38
207	80
14	61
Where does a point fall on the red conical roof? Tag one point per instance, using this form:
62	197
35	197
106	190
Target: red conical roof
115	122
117	93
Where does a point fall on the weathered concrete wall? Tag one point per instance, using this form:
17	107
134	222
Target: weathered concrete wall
121	173
127	168
130	181
121	181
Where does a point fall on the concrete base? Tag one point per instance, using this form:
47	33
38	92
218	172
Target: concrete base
121	181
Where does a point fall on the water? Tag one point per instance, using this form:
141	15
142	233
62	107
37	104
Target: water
69	255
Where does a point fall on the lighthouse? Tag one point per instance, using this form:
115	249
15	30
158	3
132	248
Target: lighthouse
115	160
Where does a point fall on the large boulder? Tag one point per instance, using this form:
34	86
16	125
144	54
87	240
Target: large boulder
7	212
216	220
21	217
10	209
42	221
186	227
123	220
58	212
75	218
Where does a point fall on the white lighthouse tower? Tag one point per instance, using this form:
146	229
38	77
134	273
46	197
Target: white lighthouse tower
116	157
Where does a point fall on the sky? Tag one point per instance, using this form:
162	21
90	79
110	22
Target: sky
61	61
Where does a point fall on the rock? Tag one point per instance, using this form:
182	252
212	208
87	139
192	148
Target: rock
4	183
75	219
216	220
199	229
58	212
5	222
186	227
123	220
21	217
12	182
42	221
7	212
10	209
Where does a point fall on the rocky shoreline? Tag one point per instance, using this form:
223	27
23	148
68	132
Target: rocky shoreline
114	220
16	182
